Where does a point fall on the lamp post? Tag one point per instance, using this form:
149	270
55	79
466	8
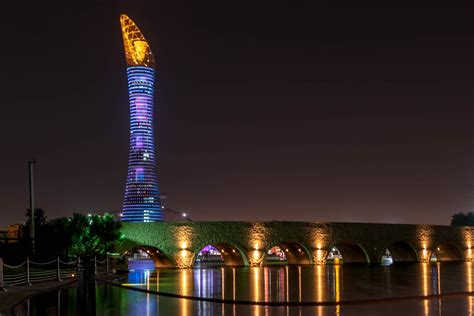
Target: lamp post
32	204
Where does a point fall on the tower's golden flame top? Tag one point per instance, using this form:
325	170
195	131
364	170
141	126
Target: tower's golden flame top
137	50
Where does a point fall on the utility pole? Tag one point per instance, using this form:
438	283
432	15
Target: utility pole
32	204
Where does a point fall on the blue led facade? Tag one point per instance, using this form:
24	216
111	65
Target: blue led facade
142	196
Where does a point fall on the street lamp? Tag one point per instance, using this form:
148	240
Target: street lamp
32	203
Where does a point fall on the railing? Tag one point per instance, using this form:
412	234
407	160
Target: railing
7	240
29	272
101	267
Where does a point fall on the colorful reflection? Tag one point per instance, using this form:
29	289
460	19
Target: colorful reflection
425	278
320	276
337	287
317	283
255	275
185	291
469	279
438	284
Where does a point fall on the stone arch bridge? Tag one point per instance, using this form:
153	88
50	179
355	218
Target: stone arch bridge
176	244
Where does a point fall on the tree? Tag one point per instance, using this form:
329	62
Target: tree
79	235
58	236
40	221
462	219
92	235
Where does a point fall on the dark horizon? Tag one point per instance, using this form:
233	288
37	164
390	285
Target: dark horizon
262	112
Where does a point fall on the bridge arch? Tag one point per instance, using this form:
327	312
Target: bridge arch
402	251
295	253
447	252
232	254
351	252
159	258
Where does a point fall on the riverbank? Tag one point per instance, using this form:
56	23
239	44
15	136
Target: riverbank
15	295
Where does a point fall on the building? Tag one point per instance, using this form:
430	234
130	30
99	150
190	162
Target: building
14	231
12	234
142	196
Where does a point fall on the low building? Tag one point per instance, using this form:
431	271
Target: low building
14	232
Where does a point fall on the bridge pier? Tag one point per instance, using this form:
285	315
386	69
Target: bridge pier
319	256
468	254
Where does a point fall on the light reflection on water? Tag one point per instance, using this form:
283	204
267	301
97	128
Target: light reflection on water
425	279
469	286
282	283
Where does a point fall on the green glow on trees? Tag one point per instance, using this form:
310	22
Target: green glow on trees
93	235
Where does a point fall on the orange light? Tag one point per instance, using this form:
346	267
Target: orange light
140	49
137	50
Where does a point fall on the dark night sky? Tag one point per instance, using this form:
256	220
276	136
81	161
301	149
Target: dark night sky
269	111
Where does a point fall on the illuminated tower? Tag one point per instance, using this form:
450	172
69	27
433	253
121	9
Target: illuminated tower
142	196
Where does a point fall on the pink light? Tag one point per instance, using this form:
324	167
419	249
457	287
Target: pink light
139	142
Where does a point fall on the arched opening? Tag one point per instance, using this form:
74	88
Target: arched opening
290	253
446	252
334	256
386	258
276	256
209	256
218	254
402	251
347	252
147	258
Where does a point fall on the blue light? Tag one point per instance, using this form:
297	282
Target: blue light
142	196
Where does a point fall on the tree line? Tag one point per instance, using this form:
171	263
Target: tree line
463	219
75	236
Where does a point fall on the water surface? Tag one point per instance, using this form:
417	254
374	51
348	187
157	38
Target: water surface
279	283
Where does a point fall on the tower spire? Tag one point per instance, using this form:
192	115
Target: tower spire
137	50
